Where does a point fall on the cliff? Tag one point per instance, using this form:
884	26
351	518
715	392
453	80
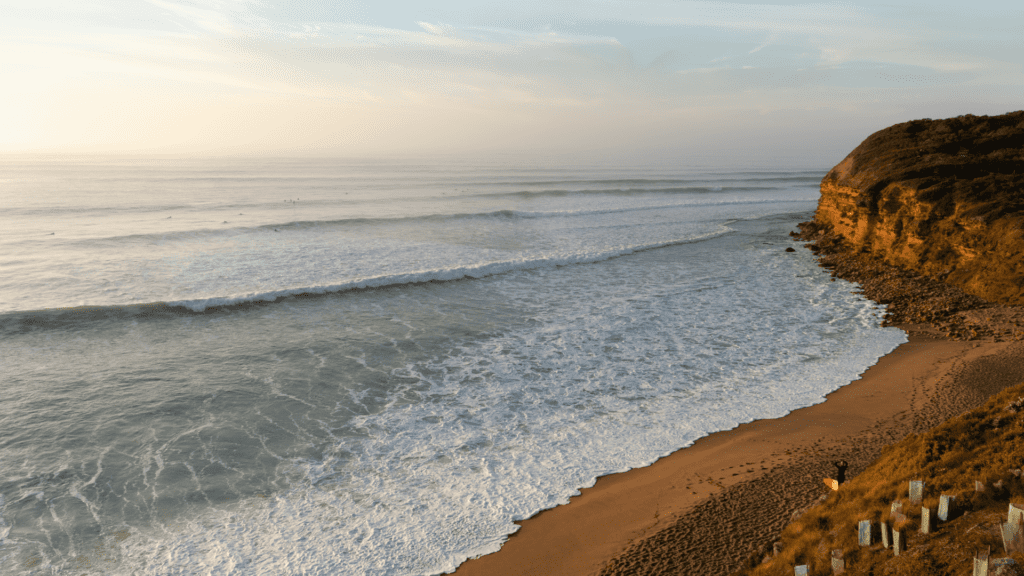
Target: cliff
927	217
939	198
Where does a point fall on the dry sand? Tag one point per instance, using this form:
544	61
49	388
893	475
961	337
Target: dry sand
707	508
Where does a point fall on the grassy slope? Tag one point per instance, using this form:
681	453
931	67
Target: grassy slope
984	444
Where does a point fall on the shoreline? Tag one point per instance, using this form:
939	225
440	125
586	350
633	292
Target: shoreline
720	502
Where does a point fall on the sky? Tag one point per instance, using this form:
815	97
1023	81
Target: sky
602	77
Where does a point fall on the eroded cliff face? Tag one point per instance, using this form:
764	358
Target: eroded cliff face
941	198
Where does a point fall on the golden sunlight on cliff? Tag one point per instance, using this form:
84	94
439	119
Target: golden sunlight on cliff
941	198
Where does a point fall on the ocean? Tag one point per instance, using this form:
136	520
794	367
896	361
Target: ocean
313	366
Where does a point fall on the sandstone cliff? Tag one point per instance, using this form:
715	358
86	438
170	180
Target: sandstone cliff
939	198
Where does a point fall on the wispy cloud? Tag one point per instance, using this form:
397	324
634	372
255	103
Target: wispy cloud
218	16
616	59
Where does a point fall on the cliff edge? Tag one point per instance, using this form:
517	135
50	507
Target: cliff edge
939	198
928	217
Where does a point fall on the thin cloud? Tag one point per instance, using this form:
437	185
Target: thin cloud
212	18
531	61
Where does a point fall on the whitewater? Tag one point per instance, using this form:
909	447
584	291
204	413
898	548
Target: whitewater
331	366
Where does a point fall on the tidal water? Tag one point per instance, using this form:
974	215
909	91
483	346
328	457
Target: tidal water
309	366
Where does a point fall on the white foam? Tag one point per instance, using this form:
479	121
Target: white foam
109	257
600	368
611	375
442	275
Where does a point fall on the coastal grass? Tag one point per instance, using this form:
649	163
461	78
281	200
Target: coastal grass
984	445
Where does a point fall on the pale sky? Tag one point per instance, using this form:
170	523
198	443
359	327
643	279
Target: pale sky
339	77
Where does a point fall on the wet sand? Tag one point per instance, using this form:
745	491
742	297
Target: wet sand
710	507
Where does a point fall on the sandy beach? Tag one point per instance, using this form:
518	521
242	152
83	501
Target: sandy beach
710	507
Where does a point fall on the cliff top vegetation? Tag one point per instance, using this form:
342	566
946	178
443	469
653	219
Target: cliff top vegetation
979	159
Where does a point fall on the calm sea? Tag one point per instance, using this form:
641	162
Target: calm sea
293	366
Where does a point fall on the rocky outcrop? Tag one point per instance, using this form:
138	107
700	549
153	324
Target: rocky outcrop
941	199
